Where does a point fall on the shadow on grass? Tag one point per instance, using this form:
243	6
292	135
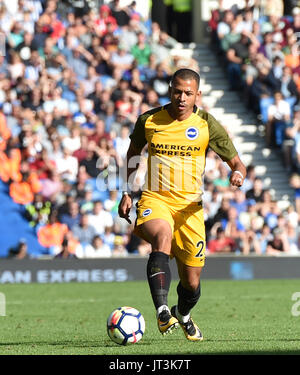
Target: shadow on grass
72	343
201	347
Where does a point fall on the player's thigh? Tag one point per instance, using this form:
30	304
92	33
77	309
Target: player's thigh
155	224
159	233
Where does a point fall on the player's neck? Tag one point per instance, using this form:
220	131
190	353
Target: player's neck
179	116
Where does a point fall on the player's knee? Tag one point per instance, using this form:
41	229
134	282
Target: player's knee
162	242
191	294
191	282
193	286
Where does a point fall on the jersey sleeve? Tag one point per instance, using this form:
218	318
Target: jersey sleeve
138	134
219	140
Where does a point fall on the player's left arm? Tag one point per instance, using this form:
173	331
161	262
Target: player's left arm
238	171
221	143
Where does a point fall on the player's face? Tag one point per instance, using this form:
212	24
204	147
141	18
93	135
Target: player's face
183	93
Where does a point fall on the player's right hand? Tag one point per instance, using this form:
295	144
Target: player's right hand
125	207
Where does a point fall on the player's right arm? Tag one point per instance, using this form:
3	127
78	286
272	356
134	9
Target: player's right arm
136	146
132	165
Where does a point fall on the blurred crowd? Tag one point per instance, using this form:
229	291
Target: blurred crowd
259	46
72	83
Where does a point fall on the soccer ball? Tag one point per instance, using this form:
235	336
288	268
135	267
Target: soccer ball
125	325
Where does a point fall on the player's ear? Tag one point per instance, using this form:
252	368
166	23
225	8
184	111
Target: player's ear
170	88
198	101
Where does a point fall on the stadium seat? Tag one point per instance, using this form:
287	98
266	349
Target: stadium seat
12	221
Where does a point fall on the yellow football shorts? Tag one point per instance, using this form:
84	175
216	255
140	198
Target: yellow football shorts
187	223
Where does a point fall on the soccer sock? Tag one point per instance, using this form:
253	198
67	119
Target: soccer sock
187	299
159	278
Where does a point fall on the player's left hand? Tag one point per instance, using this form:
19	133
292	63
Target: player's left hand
236	179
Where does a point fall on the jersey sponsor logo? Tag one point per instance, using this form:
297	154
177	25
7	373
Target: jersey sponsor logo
173	150
147	212
192	133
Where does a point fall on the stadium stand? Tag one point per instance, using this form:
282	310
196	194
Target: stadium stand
73	81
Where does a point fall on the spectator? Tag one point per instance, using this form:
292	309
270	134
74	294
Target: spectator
119	249
288	86
38	211
144	248
213	205
293	239
212	165
250	243
262	89
249	180
292	58
72	216
20	251
239	201
111	204
52	233
120	14
222	182
295	184
236	55
97	249
142	50
160	83
222	243
296	19
100	218
222	213
224	26
162	46
292	148
23	191
105	19
279	117
279	244
250	218
83	231
121	143
67	165
51	186
64	252
264	237
87	203
233	227
257	191
99	132
89	162
121	60
109	237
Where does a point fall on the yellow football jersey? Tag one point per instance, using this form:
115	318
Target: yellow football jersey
177	150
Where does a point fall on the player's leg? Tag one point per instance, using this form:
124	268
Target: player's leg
189	287
188	247
189	292
158	233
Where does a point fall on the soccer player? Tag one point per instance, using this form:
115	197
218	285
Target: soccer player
169	212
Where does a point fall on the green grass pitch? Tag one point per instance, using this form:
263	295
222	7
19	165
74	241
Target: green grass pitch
236	317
